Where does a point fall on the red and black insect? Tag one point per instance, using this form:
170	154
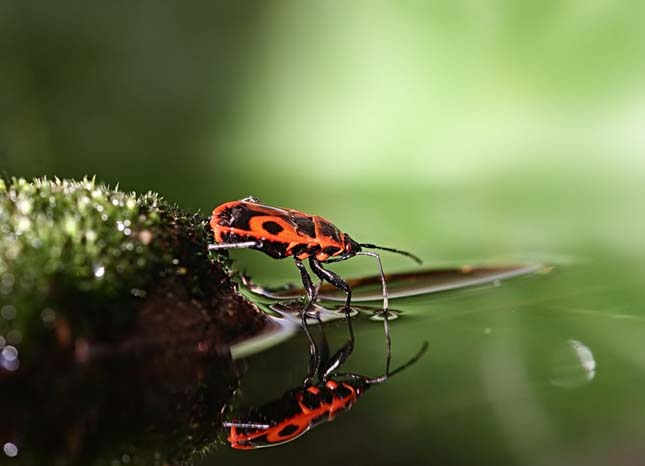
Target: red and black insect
301	409
282	233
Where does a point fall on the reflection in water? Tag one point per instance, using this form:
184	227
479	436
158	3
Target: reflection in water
10	449
526	428
156	401
573	366
324	394
283	321
9	358
155	406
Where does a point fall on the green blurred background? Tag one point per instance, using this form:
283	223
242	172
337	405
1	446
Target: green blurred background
455	128
464	131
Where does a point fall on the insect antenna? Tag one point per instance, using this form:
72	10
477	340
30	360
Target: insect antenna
402	367
398	251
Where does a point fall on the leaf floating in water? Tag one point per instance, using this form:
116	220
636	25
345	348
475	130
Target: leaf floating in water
401	285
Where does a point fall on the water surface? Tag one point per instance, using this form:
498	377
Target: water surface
541	369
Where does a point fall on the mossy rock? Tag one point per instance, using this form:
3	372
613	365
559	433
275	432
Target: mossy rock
111	307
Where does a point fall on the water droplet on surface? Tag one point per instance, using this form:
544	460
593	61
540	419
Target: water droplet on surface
9	353
24	206
11	365
573	366
48	315
10	450
7	280
145	236
22	225
99	271
70	225
8	312
138	293
379	317
83	201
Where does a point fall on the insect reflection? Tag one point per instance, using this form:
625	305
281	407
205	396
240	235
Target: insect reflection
325	394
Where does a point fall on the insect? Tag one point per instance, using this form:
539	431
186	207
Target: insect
282	233
302	408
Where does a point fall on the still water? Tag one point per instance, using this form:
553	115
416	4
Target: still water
545	368
527	365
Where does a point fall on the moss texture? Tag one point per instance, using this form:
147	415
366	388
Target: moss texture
79	259
80	236
99	287
92	237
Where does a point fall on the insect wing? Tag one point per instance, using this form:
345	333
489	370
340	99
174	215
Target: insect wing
259	221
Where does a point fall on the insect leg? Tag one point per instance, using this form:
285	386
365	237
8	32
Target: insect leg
339	258
252	199
386	323
345	351
332	278
244	244
245	425
314	354
338	359
380	269
308	284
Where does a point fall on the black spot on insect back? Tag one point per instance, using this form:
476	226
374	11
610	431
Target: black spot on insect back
272	227
331	250
329	230
288	430
239	216
275	249
304	225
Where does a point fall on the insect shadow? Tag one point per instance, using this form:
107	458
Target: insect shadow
325	393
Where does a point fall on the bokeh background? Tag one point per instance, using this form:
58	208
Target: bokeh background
464	131
455	128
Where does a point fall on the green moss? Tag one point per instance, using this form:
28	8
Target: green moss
97	287
90	236
61	239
